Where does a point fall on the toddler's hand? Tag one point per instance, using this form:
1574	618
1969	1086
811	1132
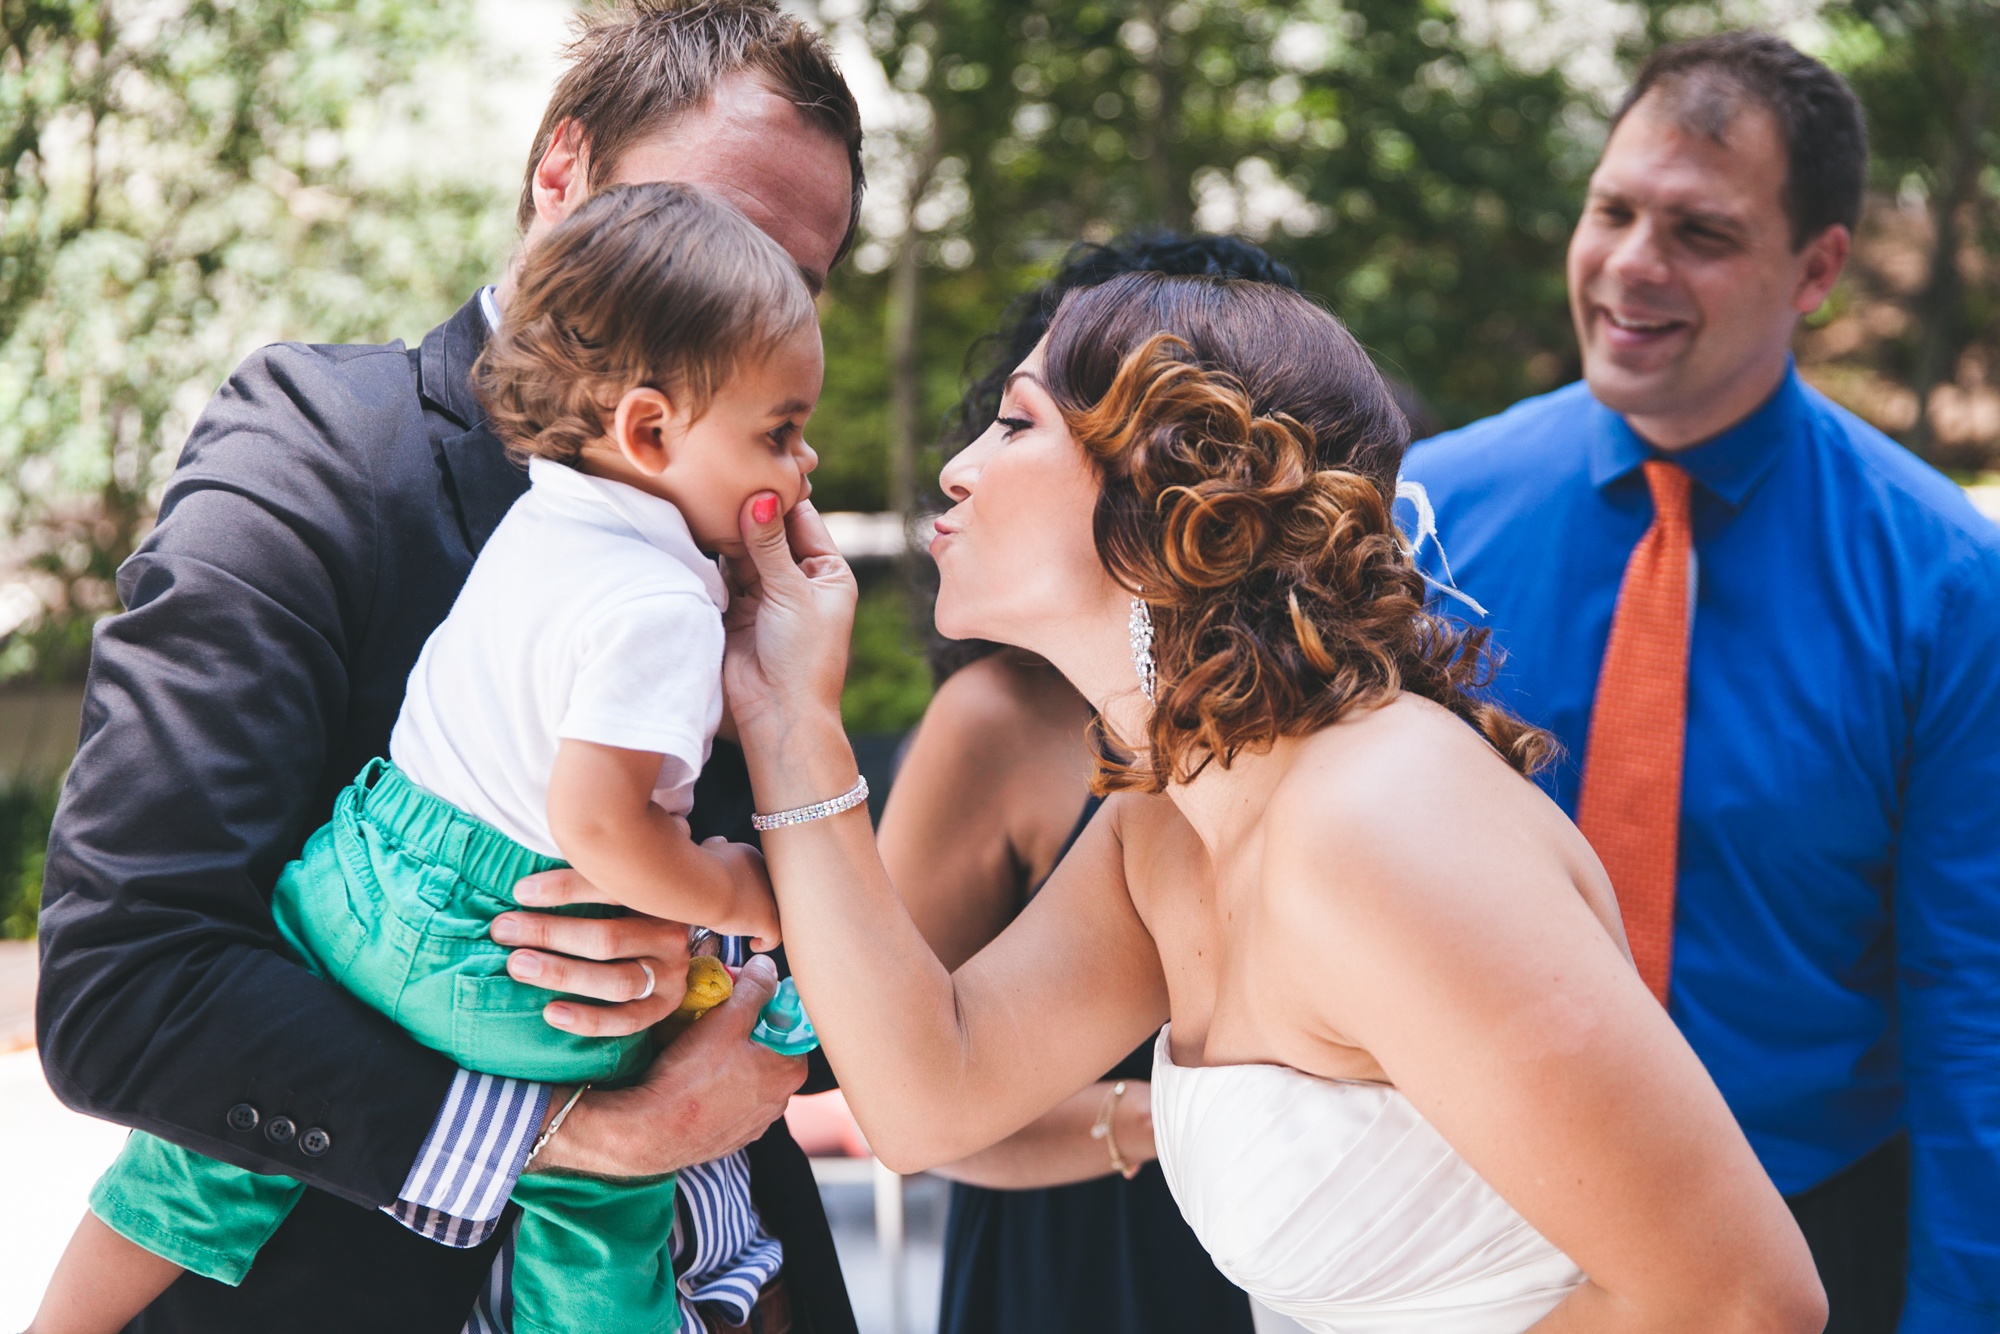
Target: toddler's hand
756	908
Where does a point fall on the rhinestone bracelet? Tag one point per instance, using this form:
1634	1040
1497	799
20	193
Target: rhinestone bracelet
819	810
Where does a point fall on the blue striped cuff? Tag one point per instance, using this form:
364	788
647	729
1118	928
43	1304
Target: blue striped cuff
493	1312
725	1256
470	1160
736	1290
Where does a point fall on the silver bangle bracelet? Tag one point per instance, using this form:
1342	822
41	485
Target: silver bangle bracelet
819	810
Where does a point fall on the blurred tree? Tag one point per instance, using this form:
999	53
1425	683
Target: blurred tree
1415	178
27	806
1928	72
887	681
1435	188
175	186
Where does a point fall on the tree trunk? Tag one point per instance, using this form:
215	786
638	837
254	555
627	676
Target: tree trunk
1940	306
901	332
1170	193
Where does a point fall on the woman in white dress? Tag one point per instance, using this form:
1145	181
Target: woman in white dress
1411	1080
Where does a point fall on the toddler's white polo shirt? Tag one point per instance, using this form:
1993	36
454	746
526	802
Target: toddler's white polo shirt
591	615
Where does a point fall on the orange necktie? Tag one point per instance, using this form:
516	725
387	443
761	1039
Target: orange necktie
1630	807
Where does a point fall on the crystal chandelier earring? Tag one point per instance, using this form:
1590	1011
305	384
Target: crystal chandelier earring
1141	627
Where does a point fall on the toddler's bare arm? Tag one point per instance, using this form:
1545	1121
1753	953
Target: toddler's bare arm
602	814
101	1284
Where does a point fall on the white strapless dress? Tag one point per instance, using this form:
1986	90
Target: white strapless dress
1335	1203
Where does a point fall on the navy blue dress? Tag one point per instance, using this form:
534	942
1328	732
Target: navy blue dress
1106	1256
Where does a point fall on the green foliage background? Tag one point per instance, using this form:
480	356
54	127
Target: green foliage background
1434	184
177	185
1928	72
26	807
887	681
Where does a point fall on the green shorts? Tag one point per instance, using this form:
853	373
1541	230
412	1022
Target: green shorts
391	899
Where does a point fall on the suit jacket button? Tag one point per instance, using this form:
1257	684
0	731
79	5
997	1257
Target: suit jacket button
242	1117
281	1130
315	1142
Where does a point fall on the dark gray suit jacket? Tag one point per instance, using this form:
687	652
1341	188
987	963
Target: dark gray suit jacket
326	510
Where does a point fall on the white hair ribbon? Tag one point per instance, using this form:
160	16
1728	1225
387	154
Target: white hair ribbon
1427	528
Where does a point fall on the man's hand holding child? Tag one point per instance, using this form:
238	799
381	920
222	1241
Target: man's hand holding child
707	1095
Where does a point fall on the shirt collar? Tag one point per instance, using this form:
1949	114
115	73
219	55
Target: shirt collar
654	518
489	306
1730	465
444	363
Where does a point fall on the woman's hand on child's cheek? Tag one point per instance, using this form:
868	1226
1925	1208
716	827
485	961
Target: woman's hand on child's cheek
788	632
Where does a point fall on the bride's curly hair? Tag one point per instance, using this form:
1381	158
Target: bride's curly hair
1247	451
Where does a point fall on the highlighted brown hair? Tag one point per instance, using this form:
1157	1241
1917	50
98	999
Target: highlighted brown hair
1247	451
657	285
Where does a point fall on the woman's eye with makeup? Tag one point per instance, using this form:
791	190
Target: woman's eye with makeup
1013	425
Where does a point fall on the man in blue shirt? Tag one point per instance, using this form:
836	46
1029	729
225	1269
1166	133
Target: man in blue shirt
1831	937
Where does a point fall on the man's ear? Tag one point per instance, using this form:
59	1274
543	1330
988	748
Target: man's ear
1825	256
562	177
640	428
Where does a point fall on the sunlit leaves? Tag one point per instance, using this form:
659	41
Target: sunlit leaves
177	187
1413	176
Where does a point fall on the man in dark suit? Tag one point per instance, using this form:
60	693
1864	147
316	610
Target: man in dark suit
325	512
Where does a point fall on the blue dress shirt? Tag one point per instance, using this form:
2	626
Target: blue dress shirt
1837	919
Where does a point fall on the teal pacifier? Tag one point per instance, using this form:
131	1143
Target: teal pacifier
782	1024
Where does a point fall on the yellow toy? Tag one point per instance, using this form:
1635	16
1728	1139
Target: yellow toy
708	985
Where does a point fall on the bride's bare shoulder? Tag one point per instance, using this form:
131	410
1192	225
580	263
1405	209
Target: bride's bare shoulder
1402	824
1407	780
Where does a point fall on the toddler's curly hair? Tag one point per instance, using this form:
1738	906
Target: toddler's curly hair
659	285
1247	451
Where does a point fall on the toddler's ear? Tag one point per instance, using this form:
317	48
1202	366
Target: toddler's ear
639	429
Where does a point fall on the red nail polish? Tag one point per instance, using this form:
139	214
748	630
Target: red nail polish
764	509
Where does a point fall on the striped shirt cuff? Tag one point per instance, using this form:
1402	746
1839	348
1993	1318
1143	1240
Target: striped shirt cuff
470	1160
722	1253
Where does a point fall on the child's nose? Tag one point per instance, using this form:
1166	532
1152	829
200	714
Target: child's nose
808	457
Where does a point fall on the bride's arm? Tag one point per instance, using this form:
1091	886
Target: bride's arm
988	790
1472	969
937	1065
934	1065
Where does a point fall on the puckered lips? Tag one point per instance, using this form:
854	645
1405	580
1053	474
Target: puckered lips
943	530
